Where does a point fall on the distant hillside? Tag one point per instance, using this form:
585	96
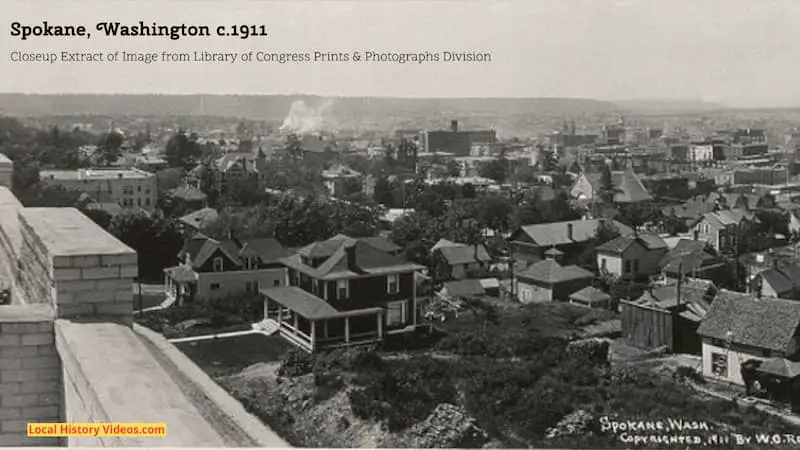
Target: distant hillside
276	107
668	106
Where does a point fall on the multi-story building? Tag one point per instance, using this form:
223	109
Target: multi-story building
770	176
458	142
341	292
128	187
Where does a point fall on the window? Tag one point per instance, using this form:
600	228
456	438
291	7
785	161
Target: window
276	282
248	286
127	190
214	286
627	267
396	313
342	289
147	201
218	264
719	364
635	266
707	229
139	188
393	284
139	201
251	263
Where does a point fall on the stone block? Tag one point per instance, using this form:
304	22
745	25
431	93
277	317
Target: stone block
19	400
66	274
81	261
37	339
26	327
129	271
75	286
48	374
114	284
19	351
75	309
45	350
123	259
10	388
95	297
14	426
35	412
39	387
123	295
40	362
13	376
98	273
114	309
11	363
10	340
60	261
48	399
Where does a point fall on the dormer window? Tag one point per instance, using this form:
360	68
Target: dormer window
342	289
251	263
217	264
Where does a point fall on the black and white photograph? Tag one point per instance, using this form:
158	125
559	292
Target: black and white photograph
400	224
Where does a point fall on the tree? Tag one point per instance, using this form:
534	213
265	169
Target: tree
293	149
156	240
110	148
496	169
182	150
606	231
547	160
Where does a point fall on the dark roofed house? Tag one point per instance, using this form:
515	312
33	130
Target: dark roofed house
693	258
740	328
463	261
210	269
778	282
627	186
343	291
631	256
530	242
547	280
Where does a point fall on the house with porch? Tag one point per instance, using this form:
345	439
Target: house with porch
723	228
740	329
210	269
343	292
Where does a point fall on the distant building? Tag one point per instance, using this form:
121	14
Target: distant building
761	175
341	180
631	256
628	187
547	280
463	260
128	187
455	141
721	229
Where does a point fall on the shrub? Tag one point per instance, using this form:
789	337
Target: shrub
296	363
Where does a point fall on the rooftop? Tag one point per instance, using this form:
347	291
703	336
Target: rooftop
95	174
65	231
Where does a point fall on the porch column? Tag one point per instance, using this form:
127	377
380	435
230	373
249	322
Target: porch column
325	328
380	325
313	334
266	307
414	300
296	322
346	329
280	315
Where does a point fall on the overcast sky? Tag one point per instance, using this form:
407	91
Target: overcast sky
737	52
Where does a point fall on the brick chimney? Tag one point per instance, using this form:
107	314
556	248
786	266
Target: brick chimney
453	126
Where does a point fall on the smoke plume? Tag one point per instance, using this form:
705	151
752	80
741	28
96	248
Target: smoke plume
303	118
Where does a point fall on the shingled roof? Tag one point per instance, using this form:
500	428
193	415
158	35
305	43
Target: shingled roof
550	272
761	323
621	243
558	233
628	186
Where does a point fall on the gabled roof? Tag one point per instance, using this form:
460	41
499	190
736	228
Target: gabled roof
628	186
761	323
200	218
590	295
620	244
551	272
557	233
778	281
464	254
688	256
724	218
444	243
692	290
268	250
345	257
201	247
461	288
188	193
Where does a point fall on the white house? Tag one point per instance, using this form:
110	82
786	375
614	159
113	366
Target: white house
741	327
632	255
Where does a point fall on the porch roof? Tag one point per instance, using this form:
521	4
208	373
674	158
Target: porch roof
310	306
181	274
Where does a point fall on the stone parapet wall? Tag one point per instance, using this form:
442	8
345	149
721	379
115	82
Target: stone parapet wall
30	374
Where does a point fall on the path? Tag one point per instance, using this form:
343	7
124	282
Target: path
267	328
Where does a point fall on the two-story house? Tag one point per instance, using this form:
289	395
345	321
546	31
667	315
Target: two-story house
210	269
341	292
631	256
572	239
740	328
723	228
